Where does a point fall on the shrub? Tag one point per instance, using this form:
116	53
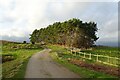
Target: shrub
24	42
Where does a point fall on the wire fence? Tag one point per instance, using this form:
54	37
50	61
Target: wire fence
114	61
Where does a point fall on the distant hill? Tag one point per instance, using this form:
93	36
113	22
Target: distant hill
111	44
6	41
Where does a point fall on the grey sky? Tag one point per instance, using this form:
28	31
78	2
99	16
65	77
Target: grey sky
18	18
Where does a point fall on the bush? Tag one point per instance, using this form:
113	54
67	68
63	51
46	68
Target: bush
8	57
33	42
24	42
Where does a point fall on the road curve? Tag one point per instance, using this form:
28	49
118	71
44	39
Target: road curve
41	65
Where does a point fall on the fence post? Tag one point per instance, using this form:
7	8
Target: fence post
76	53
117	61
108	59
97	57
90	56
71	51
84	55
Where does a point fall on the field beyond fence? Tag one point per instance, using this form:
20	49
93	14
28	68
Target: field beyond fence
114	61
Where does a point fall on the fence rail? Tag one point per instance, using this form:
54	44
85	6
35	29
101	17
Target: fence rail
114	61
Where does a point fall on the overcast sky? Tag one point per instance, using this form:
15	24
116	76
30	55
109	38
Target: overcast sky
18	18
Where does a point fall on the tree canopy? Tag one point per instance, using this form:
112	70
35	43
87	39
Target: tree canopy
73	33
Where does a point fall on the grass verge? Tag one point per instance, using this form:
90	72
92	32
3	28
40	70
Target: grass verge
21	71
83	72
16	68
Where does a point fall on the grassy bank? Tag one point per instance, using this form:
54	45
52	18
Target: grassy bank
83	72
102	50
60	55
15	57
11	68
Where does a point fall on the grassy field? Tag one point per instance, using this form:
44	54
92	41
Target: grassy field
106	55
61	55
102	50
15	57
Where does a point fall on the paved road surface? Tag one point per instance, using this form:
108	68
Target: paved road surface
41	65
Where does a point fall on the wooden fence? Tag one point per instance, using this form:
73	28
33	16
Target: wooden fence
114	61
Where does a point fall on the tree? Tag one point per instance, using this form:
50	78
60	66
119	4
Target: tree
33	42
72	33
34	36
24	42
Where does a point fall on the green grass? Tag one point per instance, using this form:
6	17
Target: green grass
61	57
21	71
107	51
10	68
83	72
16	67
57	48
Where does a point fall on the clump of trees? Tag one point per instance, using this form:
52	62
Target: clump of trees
71	33
24	42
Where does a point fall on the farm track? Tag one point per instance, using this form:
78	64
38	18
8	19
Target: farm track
41	65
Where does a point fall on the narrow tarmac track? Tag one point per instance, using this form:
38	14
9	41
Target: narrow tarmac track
41	65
